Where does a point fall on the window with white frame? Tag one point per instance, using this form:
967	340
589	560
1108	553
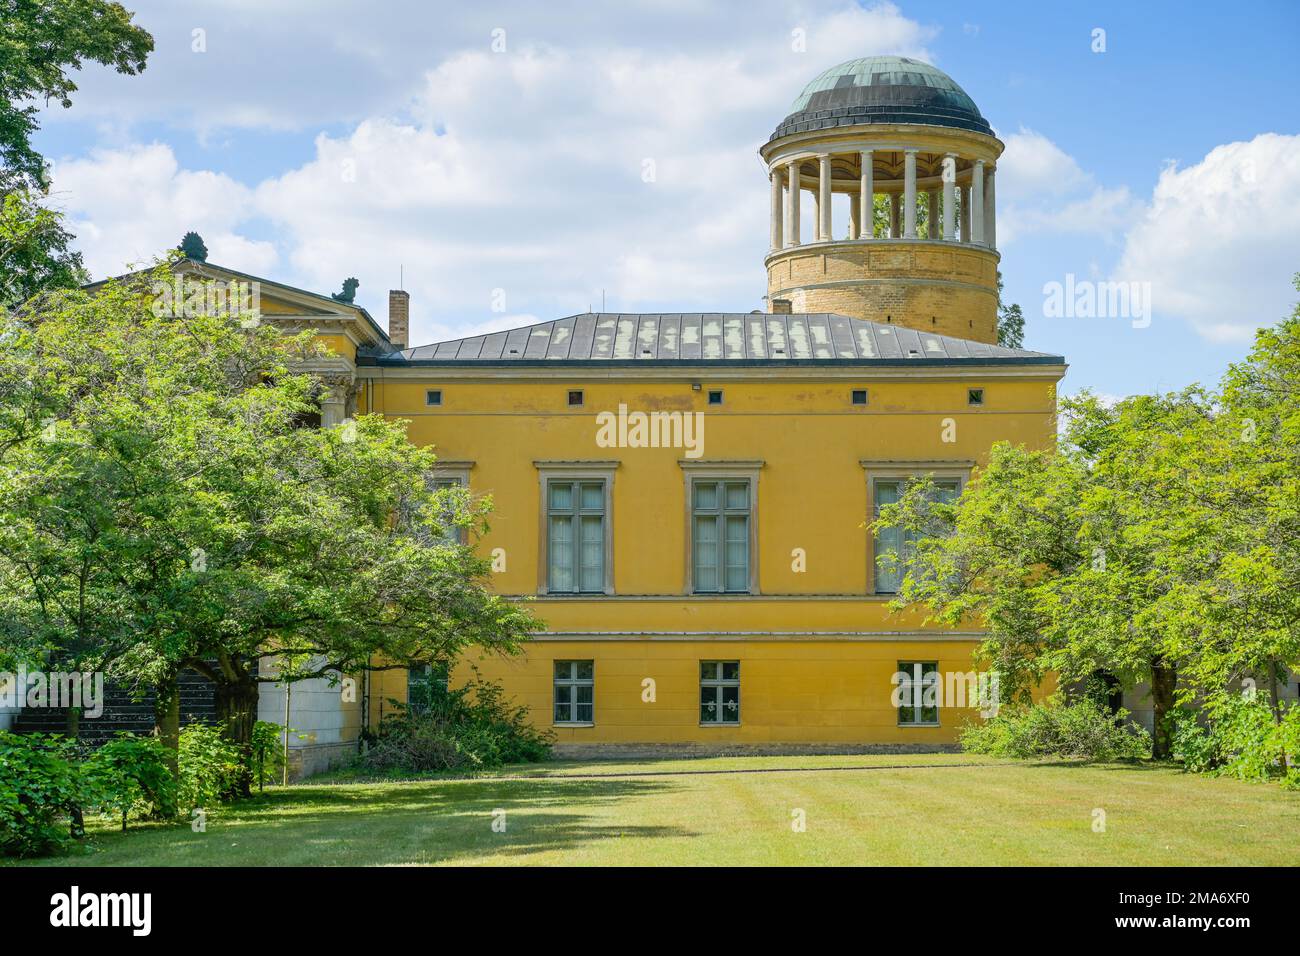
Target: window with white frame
719	692
893	546
451	534
720	530
575	546
575	685
917	692
426	686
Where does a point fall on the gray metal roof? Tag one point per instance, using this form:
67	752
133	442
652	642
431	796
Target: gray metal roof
724	337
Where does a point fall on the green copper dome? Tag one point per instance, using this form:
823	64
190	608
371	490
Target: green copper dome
882	89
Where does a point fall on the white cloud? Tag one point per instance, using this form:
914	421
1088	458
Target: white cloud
1220	240
128	205
1042	189
474	171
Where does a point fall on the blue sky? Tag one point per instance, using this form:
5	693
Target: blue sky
310	141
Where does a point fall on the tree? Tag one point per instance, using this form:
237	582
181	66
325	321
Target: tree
1160	542
1011	322
34	254
162	508
41	41
1064	555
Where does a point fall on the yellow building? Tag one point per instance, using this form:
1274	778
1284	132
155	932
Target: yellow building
685	497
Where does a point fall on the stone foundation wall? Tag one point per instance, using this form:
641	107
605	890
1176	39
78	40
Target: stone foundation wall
317	758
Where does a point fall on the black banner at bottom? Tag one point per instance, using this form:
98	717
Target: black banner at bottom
338	905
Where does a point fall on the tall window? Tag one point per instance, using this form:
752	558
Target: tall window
575	686
719	692
918	693
450	533
720	516
426	686
894	545
575	536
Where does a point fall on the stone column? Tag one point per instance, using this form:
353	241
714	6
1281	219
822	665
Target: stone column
965	214
977	203
824	196
932	215
792	205
909	194
334	399
950	197
777	235
990	210
895	208
855	219
867	199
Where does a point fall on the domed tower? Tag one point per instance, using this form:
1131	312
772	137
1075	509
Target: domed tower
899	128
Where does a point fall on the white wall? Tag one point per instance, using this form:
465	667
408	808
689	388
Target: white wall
318	712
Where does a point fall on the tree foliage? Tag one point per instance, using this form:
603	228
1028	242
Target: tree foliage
34	253
41	43
1160	542
1011	322
162	507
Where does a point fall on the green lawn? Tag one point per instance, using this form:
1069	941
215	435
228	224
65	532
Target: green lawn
868	810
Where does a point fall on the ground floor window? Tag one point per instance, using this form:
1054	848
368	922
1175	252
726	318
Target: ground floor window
426	685
575	686
719	692
917	693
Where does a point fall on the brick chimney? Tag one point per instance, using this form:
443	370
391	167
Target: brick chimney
399	318
781	306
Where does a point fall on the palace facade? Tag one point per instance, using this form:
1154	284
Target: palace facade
686	497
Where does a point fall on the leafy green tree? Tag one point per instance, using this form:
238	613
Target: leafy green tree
41	43
1061	554
34	253
1159	543
162	508
1011	322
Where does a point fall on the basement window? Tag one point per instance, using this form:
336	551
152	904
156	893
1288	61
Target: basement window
859	396
715	397
974	396
433	396
918	692
575	686
575	398
719	692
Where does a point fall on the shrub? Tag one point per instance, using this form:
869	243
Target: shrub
471	727
1079	728
266	754
1240	737
40	794
1192	743
129	773
209	766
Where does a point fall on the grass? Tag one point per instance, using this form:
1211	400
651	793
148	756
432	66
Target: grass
861	810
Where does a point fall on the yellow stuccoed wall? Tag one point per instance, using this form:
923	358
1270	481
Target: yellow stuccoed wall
808	673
